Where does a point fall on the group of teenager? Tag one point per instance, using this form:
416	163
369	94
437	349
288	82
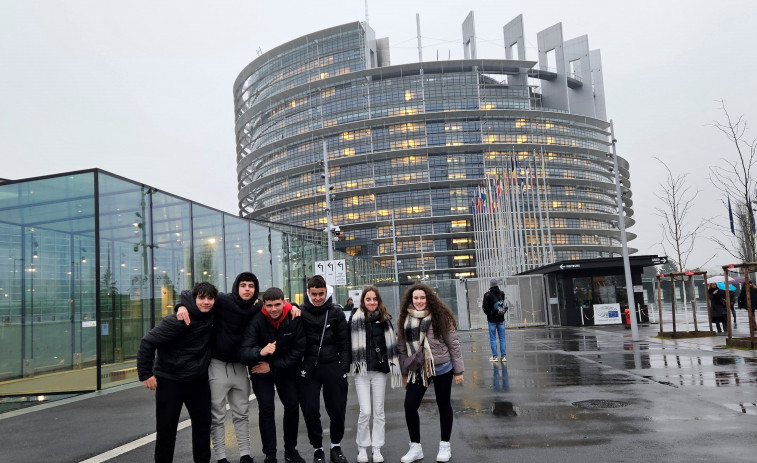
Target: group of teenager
217	345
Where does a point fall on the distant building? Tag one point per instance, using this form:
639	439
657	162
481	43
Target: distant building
414	142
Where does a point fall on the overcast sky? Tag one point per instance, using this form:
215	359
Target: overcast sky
144	89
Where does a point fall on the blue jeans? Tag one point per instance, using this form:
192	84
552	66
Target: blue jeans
495	330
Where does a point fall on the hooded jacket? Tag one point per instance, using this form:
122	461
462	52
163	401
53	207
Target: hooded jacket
232	316
490	298
289	338
183	352
336	339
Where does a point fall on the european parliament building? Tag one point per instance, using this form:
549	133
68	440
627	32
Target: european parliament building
408	147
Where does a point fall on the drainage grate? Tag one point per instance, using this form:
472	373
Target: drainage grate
598	404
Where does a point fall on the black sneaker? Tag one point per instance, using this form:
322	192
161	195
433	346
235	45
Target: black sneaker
293	456
270	459
223	460
248	459
319	456
337	456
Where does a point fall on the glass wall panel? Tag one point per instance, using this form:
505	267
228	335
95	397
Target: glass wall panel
261	255
172	238
237	240
48	276
125	276
208	246
279	266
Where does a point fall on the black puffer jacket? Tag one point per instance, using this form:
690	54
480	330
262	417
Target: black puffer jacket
336	340
290	344
375	338
233	314
183	350
717	302
490	298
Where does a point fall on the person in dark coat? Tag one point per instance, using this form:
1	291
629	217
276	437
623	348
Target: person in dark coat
718	309
324	366
179	374
272	348
752	299
495	316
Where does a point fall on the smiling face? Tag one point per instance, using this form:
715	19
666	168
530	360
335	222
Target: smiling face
419	299
317	296
246	290
370	301
205	302
274	308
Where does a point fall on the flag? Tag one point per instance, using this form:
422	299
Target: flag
751	218
730	215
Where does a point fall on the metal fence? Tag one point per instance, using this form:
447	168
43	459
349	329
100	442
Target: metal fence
525	298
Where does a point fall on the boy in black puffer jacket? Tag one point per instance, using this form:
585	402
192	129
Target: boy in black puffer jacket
324	366
179	374
272	347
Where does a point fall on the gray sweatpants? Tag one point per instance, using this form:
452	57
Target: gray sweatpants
229	383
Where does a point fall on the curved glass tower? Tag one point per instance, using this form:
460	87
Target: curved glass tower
409	146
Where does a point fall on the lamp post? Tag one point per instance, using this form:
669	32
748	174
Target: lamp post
623	239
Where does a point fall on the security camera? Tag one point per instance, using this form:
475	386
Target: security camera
337	230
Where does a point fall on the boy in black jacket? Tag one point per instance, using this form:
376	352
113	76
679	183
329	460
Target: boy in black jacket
179	374
324	366
272	347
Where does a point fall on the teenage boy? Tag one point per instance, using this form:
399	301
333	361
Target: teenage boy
324	366
272	347
228	378
179	374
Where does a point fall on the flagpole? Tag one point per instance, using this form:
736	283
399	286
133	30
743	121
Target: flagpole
546	198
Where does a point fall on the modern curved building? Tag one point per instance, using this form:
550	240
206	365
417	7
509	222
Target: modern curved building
409	145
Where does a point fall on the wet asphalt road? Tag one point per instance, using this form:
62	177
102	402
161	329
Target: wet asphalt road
565	395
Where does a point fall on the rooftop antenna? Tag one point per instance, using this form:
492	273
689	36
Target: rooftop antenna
259	51
366	11
418	24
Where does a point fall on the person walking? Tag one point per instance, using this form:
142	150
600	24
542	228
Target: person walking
718	309
429	351
374	356
752	299
495	308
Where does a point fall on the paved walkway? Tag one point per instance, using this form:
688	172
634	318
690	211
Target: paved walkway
565	394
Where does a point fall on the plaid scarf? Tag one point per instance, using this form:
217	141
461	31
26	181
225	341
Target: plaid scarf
415	329
358	337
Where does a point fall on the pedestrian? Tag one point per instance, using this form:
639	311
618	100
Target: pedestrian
718	309
374	356
229	380
752	300
324	366
429	352
179	374
495	308
272	347
349	308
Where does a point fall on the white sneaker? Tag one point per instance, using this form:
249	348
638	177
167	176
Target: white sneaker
377	457
415	453
494	359
362	456
503	359
445	453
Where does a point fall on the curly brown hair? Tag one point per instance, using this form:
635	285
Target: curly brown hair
384	315
442	317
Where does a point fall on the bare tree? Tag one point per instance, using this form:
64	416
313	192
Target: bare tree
677	202
735	177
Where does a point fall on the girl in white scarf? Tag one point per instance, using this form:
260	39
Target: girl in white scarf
374	355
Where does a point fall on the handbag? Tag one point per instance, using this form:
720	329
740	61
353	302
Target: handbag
308	366
415	361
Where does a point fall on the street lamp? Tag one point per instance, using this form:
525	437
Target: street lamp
623	239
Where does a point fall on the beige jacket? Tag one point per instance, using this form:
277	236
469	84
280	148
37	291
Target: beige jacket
443	350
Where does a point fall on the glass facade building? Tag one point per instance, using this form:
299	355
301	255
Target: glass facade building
89	262
408	145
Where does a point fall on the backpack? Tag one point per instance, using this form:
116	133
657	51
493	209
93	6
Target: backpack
500	306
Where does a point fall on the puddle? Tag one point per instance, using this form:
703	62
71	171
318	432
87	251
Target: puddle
595	404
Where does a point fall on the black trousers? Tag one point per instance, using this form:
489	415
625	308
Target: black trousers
413	397
286	387
333	381
169	397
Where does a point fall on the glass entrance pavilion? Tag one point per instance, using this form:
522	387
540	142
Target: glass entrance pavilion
90	261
